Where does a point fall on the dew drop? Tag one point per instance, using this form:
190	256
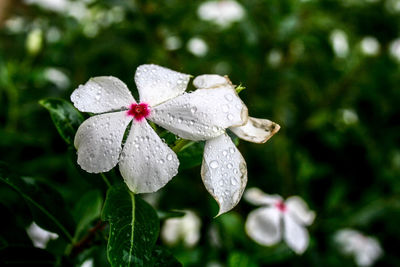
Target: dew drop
230	117
214	164
225	108
169	157
193	110
231	150
229	166
224	153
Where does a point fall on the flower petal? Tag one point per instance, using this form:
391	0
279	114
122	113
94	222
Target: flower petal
147	163
98	141
208	81
158	84
257	197
202	114
256	130
102	94
224	172
300	211
263	225
295	235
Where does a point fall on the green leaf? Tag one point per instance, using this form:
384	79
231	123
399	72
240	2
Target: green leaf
163	215
46	205
134	228
65	117
164	258
239	259
191	156
26	256
87	210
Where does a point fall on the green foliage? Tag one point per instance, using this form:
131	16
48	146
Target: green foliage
65	117
134	228
47	207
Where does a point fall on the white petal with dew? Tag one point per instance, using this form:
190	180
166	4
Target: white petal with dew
146	163
263	225
98	141
208	81
158	84
257	197
224	172
295	235
202	114
300	211
256	130
102	94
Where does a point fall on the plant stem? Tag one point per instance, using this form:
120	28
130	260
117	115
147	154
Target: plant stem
105	179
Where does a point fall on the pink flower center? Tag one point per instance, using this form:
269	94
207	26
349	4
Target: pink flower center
281	206
139	111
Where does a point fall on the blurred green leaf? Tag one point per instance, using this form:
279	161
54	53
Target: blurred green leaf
134	228
238	259
87	209
162	215
164	258
65	117
46	205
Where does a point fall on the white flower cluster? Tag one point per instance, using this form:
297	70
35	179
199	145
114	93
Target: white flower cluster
145	161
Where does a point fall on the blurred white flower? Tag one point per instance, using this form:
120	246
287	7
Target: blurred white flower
366	250
88	263
57	77
53	5
173	43
265	225
370	46
394	49
15	24
274	57
197	47
224	170
339	43
185	229
222	13
349	116
146	162
39	236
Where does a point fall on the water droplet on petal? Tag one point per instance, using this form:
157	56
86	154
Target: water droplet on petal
169	157
214	164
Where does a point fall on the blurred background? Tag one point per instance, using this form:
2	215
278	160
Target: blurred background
327	71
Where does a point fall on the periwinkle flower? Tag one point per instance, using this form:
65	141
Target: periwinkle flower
266	224
145	161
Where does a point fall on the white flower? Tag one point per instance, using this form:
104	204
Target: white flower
223	13
224	170
39	236
366	250
185	229
146	163
340	43
265	225
197	47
